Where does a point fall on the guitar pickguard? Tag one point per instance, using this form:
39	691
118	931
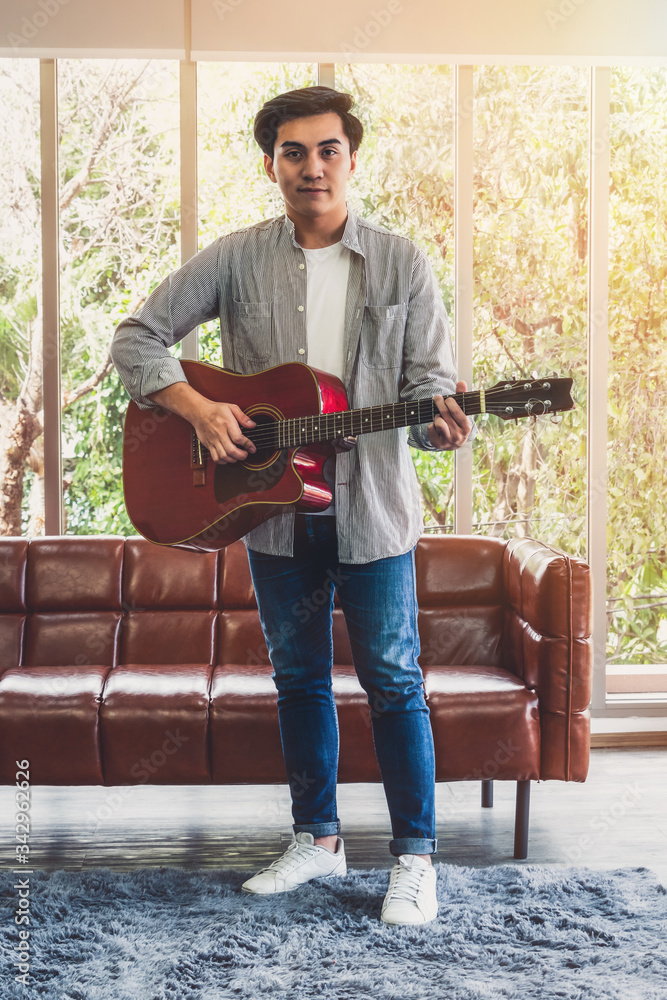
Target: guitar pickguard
243	480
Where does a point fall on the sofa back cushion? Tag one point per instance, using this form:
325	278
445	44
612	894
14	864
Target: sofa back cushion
461	600
63	601
13	555
169	601
73	596
459	590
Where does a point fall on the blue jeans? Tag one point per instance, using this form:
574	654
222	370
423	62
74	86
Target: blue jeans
379	601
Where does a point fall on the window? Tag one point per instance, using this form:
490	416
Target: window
405	182
530	218
120	149
21	453
637	505
119	218
234	190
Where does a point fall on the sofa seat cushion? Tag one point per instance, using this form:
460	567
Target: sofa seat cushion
486	723
245	734
243	725
154	721
49	715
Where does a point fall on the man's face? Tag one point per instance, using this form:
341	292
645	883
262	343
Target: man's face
311	164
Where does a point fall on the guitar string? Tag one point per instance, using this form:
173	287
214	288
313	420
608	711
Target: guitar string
276	435
266	434
269	435
272	435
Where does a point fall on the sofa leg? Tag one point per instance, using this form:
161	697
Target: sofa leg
487	793
521	820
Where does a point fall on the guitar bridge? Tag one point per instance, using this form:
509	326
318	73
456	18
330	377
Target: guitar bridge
197	462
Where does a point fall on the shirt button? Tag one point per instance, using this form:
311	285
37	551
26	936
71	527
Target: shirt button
300	308
302	350
301	267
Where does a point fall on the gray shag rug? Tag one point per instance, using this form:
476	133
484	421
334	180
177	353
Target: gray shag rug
173	934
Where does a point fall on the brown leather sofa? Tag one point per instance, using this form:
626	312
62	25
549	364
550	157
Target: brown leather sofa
124	662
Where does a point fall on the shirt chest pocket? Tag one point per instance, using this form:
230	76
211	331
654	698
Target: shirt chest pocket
382	335
252	330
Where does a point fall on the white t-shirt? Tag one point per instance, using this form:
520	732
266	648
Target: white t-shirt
327	270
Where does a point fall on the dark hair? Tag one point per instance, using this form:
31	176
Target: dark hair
301	104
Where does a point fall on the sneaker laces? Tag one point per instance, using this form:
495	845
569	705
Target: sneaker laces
405	883
294	854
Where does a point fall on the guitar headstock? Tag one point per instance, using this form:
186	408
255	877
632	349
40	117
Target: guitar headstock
529	397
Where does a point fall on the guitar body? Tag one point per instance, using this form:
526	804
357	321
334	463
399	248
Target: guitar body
175	495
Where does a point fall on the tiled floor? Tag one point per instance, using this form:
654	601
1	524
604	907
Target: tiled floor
617	818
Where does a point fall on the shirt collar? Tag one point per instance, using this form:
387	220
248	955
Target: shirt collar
349	239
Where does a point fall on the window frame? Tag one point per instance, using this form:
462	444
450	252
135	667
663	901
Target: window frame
602	705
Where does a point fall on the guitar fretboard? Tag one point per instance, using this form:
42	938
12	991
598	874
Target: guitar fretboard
347	423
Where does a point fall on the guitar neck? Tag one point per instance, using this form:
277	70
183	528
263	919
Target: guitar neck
347	423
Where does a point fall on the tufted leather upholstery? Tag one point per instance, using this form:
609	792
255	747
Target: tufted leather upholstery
123	662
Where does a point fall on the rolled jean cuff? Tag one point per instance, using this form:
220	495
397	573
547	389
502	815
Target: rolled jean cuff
318	829
412	845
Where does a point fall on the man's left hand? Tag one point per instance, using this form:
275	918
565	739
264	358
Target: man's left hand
451	428
345	444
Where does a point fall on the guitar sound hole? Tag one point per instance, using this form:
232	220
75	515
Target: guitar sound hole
263	457
259	473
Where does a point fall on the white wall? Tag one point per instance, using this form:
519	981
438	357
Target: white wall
71	28
448	31
591	32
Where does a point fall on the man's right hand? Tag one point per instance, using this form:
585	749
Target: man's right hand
219	426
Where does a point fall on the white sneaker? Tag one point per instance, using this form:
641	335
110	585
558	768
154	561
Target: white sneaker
411	896
302	861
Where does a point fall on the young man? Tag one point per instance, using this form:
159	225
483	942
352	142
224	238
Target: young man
322	286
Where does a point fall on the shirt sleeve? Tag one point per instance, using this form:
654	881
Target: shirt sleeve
429	367
140	346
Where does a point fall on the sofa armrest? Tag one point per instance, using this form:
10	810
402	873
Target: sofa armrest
547	641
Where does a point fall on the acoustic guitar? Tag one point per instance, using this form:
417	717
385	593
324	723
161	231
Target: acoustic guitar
176	494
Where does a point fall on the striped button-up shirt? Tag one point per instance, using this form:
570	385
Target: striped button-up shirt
397	348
